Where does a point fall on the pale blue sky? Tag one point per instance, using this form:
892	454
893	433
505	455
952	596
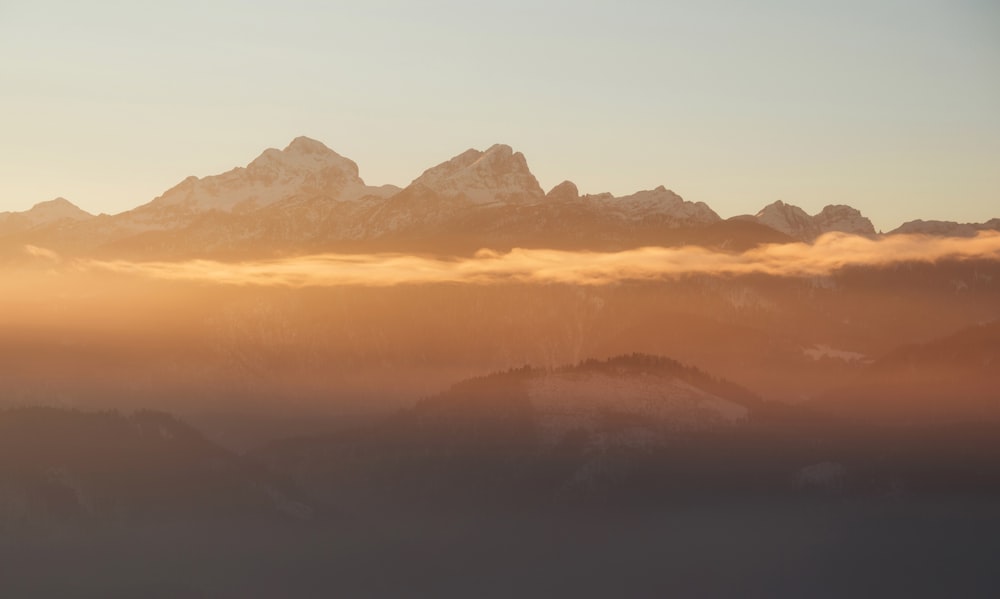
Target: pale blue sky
891	106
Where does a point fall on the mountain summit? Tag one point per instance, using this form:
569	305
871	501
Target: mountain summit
43	214
795	222
305	166
497	175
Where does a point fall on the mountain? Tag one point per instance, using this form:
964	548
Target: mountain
305	167
790	220
946	228
497	175
795	222
656	204
59	467
623	401
637	429
843	219
42	214
142	506
526	434
952	378
281	190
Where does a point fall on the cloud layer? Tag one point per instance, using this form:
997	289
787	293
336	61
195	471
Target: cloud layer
825	256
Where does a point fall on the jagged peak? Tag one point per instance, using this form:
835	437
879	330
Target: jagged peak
794	221
304	153
498	174
780	206
845	219
304	164
838	209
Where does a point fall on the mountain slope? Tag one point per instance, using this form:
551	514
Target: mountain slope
955	377
522	435
946	228
61	466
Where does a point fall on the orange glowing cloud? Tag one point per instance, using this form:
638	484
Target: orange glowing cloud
826	255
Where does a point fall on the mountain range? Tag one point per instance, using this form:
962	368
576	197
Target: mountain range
307	197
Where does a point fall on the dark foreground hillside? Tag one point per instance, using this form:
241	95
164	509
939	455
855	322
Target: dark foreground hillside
636	477
806	547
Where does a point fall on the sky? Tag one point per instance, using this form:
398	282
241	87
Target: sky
890	106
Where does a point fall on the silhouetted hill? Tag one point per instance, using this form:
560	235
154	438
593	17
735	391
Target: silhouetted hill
61	467
595	431
952	378
636	430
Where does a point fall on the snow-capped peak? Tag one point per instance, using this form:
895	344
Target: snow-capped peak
301	157
498	174
788	219
304	167
845	219
795	222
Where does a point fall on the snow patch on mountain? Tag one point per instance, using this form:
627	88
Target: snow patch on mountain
819	352
567	402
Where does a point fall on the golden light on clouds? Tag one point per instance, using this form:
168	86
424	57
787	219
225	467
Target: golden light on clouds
826	255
